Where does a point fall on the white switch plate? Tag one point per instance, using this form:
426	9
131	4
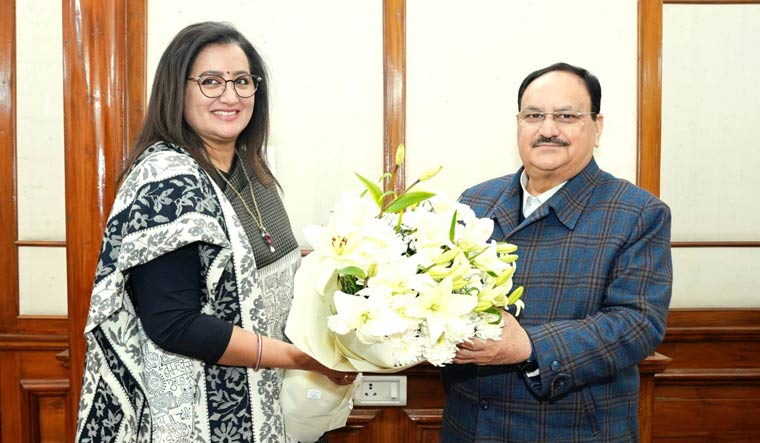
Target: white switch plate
381	390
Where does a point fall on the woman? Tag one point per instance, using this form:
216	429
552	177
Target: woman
194	282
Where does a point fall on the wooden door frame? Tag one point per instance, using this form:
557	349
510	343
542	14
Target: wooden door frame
104	89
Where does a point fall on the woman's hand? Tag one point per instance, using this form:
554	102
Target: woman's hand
308	363
337	377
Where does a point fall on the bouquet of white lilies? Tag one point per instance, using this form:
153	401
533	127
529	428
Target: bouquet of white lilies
394	280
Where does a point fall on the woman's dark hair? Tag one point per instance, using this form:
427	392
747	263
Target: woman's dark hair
164	120
592	84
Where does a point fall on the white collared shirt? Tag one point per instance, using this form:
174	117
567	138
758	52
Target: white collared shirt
529	202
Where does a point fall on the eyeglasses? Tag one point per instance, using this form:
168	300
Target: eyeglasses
213	86
560	117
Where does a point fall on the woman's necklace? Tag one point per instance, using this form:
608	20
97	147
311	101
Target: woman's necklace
257	218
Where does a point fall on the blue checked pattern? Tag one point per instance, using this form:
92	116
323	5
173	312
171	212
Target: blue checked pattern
596	265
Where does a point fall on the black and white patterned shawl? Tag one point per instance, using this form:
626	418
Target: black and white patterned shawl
132	390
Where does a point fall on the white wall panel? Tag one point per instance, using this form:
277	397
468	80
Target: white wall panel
710	115
715	278
466	60
42	281
39	121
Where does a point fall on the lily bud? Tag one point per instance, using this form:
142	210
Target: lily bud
515	295
458	283
500	300
400	154
509	258
447	256
438	273
505	248
430	173
500	280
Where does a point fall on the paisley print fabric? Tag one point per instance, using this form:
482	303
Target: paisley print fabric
132	390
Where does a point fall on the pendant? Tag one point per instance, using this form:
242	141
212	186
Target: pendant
267	239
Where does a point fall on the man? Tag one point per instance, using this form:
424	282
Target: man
595	262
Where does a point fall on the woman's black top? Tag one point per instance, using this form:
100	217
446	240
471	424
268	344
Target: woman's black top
167	296
167	290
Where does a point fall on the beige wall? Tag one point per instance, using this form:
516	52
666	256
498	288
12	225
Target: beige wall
40	167
711	149
464	63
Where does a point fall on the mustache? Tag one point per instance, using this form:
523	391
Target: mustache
550	140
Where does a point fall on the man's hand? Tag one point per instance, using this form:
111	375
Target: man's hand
514	347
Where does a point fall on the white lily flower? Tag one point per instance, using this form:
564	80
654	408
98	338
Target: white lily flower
488	260
472	234
369	315
431	230
438	305
399	275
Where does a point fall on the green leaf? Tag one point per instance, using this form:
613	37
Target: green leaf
408	199
348	284
373	189
353	271
453	227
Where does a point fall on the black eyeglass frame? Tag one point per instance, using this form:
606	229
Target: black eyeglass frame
254	78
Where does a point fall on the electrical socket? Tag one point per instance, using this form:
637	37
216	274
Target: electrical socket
381	390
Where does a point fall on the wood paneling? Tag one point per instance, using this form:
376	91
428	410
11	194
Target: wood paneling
10	400
33	390
8	227
44	409
711	390
32	342
716	340
420	420
423	425
649	95
358	427
708	407
104	87
651	366
41	243
394	88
